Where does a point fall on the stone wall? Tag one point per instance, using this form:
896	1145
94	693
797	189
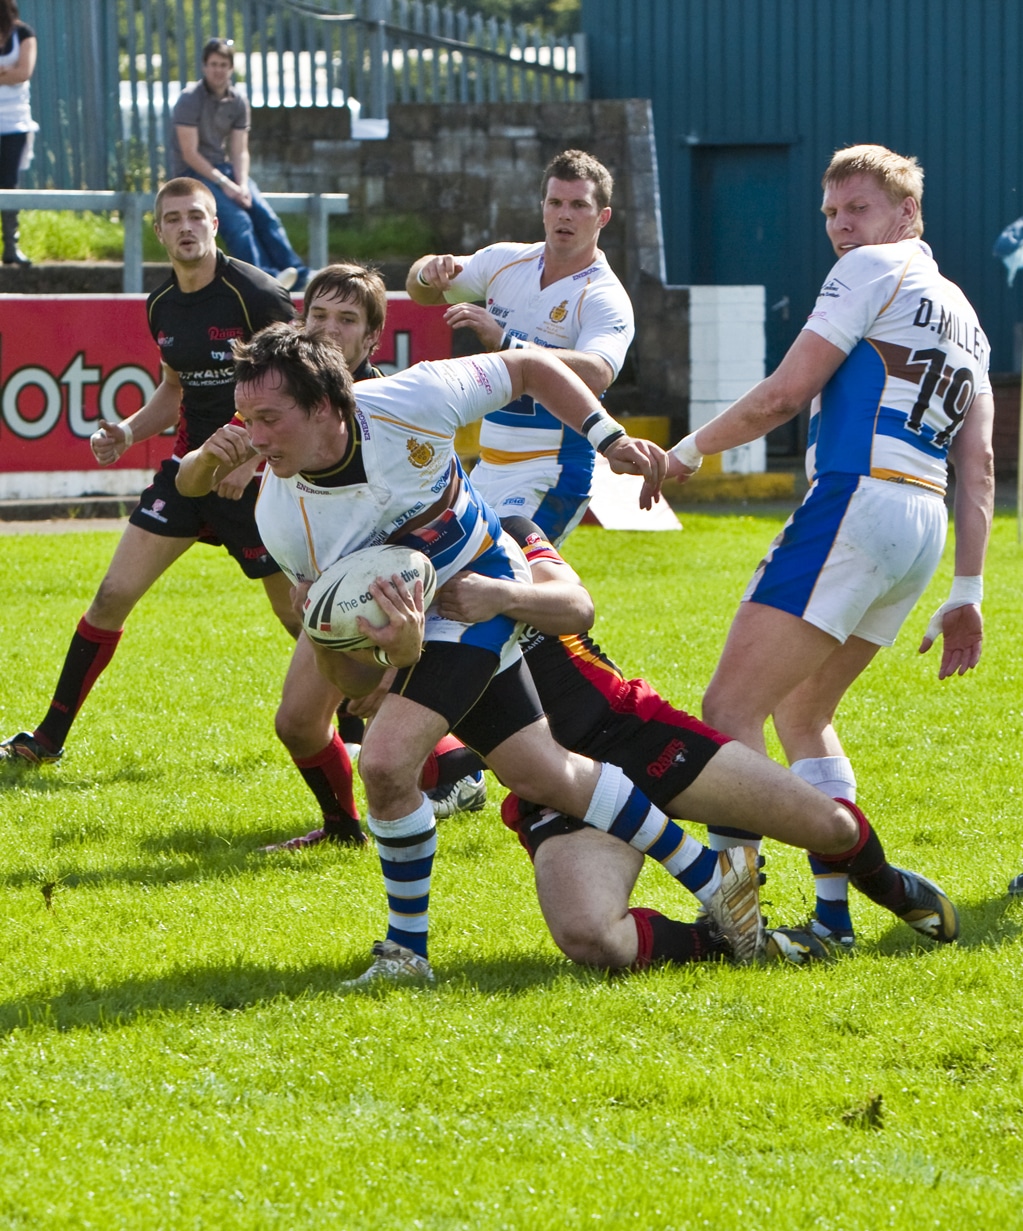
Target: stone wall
474	172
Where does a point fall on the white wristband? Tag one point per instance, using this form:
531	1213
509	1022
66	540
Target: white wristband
602	431
965	590
687	452
129	435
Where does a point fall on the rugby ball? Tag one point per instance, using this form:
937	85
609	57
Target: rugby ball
341	593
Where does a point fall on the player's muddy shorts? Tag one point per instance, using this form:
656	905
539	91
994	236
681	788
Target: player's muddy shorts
854	557
211	519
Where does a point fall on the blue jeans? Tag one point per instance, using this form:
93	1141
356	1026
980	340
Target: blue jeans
254	235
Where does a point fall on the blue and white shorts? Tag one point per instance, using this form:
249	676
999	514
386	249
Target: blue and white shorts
553	495
855	556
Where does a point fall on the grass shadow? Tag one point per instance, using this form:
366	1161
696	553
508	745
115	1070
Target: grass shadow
237	986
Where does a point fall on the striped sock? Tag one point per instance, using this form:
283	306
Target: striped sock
406	848
621	809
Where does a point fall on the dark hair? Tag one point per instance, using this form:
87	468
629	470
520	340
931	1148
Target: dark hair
578	165
8	16
312	370
218	47
349	280
182	186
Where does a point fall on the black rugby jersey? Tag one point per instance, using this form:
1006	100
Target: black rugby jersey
194	331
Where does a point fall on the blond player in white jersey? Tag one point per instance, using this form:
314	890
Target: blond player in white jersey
559	293
897	365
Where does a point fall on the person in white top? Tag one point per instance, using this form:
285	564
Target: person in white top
17	128
348	466
558	293
896	364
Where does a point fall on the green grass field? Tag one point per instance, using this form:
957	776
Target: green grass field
175	1053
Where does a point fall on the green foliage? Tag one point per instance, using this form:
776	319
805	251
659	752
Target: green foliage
175	1052
554	16
70	236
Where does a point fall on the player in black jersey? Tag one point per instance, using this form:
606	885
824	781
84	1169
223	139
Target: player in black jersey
348	304
584	877
208	300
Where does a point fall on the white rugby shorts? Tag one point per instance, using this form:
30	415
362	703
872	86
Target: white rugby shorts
553	496
855	556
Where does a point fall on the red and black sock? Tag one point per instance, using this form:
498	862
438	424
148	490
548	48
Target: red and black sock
88	654
666	940
449	762
867	866
328	775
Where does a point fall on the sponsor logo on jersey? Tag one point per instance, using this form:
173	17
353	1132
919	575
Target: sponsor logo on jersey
420	452
832	289
163	340
408	515
481	376
255	553
558	314
674	754
219	333
585	273
221	356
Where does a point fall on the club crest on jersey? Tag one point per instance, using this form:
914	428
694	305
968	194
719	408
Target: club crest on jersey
558	314
420	452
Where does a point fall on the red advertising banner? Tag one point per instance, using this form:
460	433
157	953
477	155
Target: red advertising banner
68	360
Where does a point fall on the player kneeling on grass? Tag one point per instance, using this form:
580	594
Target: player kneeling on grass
350	466
584	878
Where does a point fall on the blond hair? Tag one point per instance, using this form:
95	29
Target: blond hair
898	176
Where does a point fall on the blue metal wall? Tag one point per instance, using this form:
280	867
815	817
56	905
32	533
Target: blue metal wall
940	79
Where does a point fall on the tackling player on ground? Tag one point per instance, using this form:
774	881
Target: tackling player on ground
584	877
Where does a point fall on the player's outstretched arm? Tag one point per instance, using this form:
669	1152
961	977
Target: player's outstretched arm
111	441
543	376
807	367
202	469
557	603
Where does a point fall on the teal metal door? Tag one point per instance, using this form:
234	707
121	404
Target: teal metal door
740	233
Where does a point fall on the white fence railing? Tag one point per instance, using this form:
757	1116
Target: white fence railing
317	206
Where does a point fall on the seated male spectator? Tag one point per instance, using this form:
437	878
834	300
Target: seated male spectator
209	139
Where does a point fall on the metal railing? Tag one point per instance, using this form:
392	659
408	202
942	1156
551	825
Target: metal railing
318	207
109	70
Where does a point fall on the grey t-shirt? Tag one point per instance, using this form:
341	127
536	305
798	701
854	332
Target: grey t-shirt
214	117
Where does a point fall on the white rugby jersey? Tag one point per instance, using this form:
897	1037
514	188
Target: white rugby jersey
407	423
916	357
588	311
